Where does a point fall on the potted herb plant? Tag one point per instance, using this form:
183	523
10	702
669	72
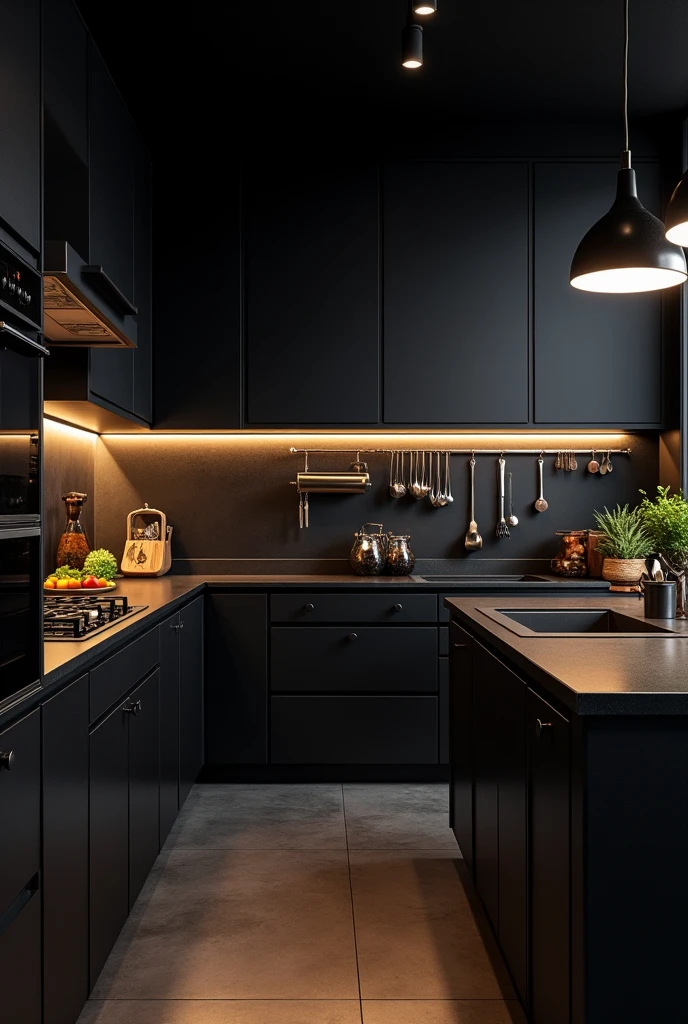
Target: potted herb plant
625	545
665	520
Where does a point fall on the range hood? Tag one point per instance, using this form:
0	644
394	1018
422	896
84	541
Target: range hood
82	306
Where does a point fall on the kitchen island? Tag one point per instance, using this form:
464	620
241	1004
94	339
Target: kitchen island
569	790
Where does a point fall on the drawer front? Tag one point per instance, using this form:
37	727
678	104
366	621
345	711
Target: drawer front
20	808
354	730
374	608
20	964
116	676
444	640
335	659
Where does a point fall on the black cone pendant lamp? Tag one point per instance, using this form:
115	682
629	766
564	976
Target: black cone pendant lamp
676	219
627	250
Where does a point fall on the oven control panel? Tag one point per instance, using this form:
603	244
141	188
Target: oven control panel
20	287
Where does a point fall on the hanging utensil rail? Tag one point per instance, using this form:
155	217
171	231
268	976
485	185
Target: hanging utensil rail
457	451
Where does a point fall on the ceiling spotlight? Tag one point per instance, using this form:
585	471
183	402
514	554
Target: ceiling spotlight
425	7
412	46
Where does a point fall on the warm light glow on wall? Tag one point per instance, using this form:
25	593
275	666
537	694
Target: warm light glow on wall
56	428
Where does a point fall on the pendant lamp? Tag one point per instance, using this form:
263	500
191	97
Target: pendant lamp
425	7
676	220
627	249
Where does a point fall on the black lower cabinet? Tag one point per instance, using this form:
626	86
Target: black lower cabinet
109	835
190	696
20	807
461	741
354	730
144	782
169	724
486	781
550	867
65	853
20	961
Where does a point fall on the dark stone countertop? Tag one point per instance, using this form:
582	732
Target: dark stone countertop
590	674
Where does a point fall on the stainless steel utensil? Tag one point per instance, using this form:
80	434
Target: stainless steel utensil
653	569
559	462
610	468
436	486
447	481
415	489
425	471
593	466
397	487
513	521
502	528
574	462
473	541
541	505
604	467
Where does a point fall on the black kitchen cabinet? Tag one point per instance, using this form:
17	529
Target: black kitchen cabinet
20	806
109	835
169	724
142	355
613	343
144	782
65	853
486	758
191	655
443	709
20	961
549	850
20	122
111	179
311	266
461	748
236	723
450	313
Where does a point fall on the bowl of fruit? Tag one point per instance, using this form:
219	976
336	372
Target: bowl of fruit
98	573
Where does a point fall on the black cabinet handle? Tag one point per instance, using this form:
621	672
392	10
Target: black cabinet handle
181	625
398	607
133	709
107	287
176	627
6	760
310	607
539	726
460	645
353	636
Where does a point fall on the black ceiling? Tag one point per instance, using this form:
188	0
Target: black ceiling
484	59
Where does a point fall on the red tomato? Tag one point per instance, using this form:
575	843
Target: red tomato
90	581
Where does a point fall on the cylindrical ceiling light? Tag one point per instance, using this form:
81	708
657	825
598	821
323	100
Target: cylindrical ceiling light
425	7
626	250
676	220
412	45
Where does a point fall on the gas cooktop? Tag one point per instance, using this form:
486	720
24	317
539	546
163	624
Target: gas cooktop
81	616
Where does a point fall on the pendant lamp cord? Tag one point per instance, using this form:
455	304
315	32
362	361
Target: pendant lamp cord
625	75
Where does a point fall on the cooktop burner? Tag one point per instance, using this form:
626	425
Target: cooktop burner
80	616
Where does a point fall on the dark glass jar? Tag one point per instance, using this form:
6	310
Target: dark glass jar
400	558
73	546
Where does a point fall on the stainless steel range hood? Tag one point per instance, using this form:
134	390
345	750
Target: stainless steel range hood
82	306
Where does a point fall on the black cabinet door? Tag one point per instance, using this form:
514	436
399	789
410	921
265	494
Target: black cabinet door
312	293
20	807
142	355
190	696
109	837
486	765
455	293
20	121
549	845
111	179
169	724
20	965
613	343
237	679
144	782
461	740
65	853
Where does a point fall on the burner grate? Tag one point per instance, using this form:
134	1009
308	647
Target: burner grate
79	616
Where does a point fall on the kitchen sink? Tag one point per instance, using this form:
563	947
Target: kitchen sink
481	578
583	621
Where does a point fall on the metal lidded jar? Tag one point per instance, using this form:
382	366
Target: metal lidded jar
369	553
400	558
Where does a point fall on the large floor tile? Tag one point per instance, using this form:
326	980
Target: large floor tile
238	925
416	934
261	817
209	1011
411	816
446	1011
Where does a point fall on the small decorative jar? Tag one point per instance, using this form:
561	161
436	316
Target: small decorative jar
369	552
400	558
571	559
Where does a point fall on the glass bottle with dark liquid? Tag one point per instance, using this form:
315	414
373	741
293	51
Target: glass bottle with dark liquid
73	546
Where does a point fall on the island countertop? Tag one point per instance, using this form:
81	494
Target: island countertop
590	674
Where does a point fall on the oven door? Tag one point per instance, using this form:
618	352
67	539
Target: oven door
21	614
20	412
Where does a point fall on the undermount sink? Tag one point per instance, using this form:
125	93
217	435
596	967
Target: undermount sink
481	578
583	621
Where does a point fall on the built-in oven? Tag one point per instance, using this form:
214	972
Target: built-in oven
21	600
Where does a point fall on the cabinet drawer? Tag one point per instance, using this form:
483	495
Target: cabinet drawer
116	676
20	808
354	730
353	658
20	962
373	608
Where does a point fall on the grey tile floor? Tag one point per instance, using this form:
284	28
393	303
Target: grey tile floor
306	904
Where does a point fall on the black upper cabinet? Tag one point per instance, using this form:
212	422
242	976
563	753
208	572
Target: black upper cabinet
455	243
111	179
609	345
311	265
142	355
20	121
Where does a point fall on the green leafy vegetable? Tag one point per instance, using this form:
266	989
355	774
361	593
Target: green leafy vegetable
625	535
666	521
65	572
100	563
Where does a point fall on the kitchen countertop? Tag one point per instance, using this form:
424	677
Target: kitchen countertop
591	674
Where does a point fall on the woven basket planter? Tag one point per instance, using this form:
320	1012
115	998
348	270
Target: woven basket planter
623	570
